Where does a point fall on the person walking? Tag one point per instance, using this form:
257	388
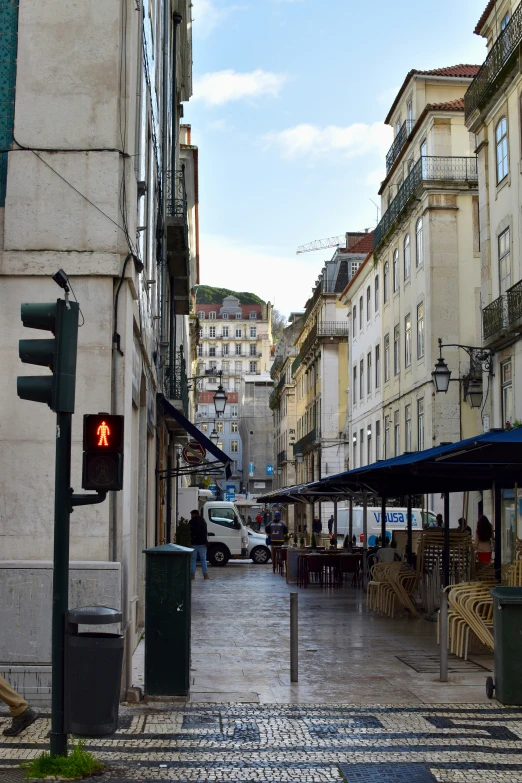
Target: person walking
463	526
483	539
317	526
199	542
22	714
277	531
439	520
331	523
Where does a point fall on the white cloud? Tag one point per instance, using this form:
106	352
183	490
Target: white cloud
375	177
284	280
220	87
207	16
353	140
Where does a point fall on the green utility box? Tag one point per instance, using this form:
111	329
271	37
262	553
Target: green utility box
167	620
507	617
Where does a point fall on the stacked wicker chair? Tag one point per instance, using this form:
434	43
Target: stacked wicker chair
391	587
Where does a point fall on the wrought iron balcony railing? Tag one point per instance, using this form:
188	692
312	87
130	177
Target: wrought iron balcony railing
398	143
175	381
305	441
176	193
514	303
501	58
494	317
278	363
332	329
282	457
426	169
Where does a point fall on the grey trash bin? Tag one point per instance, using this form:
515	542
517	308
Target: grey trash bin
93	666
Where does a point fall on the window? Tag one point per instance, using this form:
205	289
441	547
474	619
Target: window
224	365
200	350
219	426
369	373
202	410
386	280
354	320
377	366
225	316
361	379
239	331
386	358
396	354
233	411
234	446
376	295
407	433
223	516
504	22
211	380
238	316
398	126
386	437
201	332
212	350
361	447
424	148
234	426
355	384
225	330
377	440
409	112
369	444
502	149
253	331
507	392
238	350
407	257
407	340
201	314
220	446
419	257
225	350
395	271
204	427
504	261
420	425
211	331
354	449
360	312
253	367
212	315
253	349
253	315
238	367
420	330
237	385
368	303
396	433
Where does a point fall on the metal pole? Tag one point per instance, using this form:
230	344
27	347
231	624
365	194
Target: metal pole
410	536
497	504
365	534
446	551
443	634
383	520
169	487
350	521
62	510
294	639
335	523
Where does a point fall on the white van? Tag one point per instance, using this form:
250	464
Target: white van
396	519
227	535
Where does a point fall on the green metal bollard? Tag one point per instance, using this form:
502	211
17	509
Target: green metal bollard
167	620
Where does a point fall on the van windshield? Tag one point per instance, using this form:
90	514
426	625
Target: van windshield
227	517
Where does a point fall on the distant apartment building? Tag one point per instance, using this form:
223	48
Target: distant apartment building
257	435
234	342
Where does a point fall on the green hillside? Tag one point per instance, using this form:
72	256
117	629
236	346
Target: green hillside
209	294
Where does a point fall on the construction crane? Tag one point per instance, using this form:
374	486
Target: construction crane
322	244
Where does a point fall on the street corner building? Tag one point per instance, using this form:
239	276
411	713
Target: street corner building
102	181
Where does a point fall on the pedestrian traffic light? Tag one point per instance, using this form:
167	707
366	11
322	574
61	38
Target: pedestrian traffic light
59	354
102	452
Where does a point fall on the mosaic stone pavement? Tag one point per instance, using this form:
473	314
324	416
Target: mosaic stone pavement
253	743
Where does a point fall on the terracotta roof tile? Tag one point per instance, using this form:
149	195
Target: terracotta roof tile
480	24
364	245
456	105
458	71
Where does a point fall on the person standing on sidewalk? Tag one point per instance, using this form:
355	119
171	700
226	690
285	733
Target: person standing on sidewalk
22	714
198	541
277	531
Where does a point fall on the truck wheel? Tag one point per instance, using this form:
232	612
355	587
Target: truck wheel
260	555
218	555
490	687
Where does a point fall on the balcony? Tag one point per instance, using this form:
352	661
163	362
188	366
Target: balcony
278	363
398	143
442	170
178	253
501	60
502	319
175	383
337	331
282	457
305	442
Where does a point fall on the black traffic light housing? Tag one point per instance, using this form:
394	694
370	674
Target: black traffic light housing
102	452
59	354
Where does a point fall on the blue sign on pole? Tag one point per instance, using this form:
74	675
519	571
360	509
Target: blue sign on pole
231	488
251	468
230	497
269	470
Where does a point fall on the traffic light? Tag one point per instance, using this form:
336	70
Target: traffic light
59	354
102	452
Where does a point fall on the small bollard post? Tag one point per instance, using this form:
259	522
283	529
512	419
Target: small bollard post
294	661
443	636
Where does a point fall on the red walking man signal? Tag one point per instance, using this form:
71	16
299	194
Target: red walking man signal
102	431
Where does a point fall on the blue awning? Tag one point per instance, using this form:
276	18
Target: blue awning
196	434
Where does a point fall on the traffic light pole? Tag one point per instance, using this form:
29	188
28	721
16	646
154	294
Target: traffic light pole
62	512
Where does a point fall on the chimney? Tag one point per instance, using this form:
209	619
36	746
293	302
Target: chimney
353	237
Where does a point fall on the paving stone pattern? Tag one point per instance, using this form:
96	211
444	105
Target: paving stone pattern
257	743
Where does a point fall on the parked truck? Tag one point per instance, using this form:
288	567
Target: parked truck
228	537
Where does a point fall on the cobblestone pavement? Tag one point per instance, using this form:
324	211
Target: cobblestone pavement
252	743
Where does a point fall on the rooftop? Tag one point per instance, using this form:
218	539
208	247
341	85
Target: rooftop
481	22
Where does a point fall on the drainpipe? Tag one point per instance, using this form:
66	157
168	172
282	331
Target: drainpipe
164	169
176	20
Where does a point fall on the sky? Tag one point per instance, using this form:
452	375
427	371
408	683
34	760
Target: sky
287	110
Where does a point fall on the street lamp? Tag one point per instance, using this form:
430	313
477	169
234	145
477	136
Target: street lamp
480	361
220	399
474	392
280	471
299	458
214	437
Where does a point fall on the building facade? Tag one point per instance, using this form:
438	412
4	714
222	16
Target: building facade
257	436
102	182
234	342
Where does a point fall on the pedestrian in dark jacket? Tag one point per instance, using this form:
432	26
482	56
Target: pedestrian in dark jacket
198	541
277	531
331	523
317	527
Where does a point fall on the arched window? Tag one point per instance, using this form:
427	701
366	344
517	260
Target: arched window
386	277
407	257
395	271
502	149
418	242
354	324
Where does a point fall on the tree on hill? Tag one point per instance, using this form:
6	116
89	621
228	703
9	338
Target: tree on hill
208	294
279	322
